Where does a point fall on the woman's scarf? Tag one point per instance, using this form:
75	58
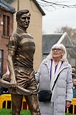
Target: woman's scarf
53	72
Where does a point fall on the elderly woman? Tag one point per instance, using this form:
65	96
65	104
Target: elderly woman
56	65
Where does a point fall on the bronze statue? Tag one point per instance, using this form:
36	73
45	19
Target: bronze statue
21	48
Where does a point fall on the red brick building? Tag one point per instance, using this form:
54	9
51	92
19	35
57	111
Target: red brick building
6	28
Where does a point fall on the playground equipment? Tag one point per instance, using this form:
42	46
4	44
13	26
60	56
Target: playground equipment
72	108
5	102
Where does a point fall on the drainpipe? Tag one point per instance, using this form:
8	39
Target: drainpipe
75	64
17	5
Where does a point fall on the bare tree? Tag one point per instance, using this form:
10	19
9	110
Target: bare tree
59	3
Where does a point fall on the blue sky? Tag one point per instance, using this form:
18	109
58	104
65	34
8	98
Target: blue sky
59	17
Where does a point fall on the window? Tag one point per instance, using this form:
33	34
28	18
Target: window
6	25
1	61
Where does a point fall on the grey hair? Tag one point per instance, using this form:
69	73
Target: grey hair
60	46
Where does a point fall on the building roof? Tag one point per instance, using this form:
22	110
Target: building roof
71	48
38	6
48	41
7	7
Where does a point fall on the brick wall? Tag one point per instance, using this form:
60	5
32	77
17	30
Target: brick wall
3	38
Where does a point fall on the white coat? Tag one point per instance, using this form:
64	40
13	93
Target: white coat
62	90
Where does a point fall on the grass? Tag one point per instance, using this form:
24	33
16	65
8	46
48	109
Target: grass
23	112
68	114
9	112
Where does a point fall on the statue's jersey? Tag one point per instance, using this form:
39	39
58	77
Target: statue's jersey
23	47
